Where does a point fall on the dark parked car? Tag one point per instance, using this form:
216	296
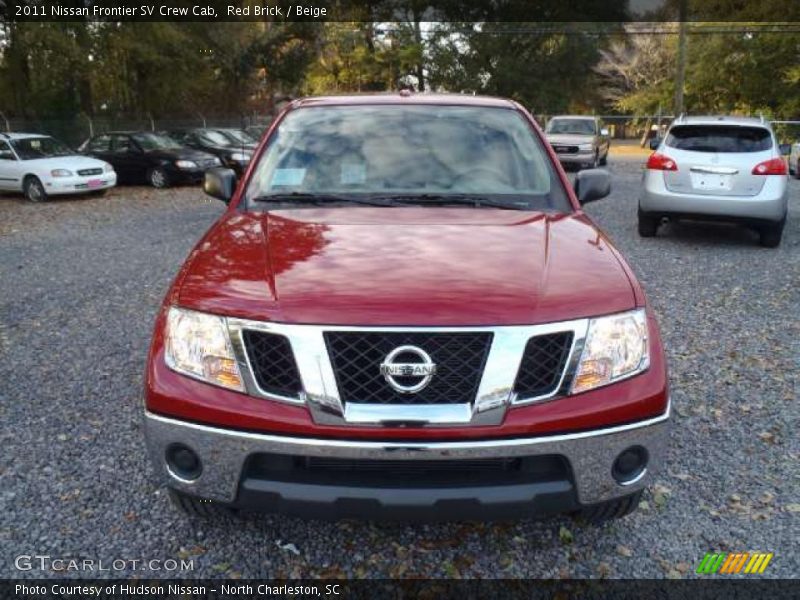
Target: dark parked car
256	131
144	156
233	152
239	137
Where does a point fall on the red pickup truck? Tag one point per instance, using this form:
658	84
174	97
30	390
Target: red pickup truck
405	313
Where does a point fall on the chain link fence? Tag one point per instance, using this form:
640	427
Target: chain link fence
78	129
631	128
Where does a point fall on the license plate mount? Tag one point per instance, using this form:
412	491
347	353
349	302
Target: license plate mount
708	182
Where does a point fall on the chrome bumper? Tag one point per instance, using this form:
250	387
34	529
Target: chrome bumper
224	452
578	157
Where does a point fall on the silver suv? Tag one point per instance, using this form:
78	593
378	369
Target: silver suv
717	168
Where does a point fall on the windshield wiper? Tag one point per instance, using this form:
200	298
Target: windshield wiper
310	198
445	199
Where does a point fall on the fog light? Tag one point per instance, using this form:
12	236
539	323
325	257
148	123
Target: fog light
183	463
630	465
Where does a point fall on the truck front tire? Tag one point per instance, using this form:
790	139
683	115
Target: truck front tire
196	507
613	509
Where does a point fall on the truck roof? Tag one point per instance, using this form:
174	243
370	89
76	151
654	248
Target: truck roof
406	98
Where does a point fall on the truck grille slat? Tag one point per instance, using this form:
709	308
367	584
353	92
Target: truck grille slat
543	363
273	363
356	358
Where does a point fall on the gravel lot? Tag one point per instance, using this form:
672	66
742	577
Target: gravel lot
80	282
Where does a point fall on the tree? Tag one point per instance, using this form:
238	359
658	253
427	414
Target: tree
636	72
543	66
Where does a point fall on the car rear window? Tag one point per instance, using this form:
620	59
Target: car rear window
719	138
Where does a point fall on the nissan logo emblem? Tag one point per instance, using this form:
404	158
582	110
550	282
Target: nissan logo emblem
417	374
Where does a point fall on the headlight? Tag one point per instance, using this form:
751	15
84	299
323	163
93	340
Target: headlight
108	168
585	147
185	164
61	173
240	157
198	345
616	347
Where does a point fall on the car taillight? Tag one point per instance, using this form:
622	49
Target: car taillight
773	166
659	162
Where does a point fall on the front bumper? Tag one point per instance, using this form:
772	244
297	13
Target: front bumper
79	184
177	175
579	158
225	478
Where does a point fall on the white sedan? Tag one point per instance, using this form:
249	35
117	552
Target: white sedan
40	166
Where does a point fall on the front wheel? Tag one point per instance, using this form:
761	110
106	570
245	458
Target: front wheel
158	178
613	509
196	507
33	189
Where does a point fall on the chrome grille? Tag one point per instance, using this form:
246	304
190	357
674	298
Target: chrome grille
273	363
562	149
356	357
543	363
86	172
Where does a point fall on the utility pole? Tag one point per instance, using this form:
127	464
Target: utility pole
680	75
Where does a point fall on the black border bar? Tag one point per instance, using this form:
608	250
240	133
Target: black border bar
520	11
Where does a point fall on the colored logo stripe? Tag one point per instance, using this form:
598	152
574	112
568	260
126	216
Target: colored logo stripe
710	563
758	563
733	563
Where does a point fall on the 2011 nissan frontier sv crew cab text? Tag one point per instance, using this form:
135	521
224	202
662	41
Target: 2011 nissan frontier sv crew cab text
405	313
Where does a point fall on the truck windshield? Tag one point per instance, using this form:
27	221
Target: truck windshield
571	126
391	154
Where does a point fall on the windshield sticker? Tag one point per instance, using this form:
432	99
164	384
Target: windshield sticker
353	173
288	177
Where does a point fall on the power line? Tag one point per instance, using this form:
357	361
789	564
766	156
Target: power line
691	29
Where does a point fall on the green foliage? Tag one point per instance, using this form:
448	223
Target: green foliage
68	71
542	70
746	73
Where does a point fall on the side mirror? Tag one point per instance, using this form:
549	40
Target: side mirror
654	142
786	149
220	183
604	131
592	184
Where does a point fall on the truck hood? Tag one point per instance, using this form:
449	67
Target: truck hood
404	266
569	138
